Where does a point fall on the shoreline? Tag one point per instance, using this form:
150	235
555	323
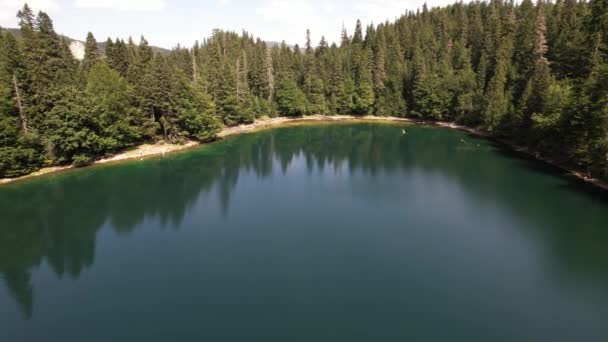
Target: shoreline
568	170
162	148
141	152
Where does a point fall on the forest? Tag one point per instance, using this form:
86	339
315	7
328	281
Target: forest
533	74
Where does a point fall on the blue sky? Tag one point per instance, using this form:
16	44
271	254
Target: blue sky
168	22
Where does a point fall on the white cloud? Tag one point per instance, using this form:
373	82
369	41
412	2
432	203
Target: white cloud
288	20
329	7
279	19
9	8
380	10
123	5
285	12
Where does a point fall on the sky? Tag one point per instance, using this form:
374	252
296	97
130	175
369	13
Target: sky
166	23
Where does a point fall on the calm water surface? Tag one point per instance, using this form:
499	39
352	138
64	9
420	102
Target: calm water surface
344	232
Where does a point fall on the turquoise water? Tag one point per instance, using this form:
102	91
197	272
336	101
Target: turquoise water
342	232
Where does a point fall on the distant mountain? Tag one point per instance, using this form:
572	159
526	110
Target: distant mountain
77	46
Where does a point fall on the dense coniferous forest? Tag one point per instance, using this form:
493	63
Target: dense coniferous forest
535	74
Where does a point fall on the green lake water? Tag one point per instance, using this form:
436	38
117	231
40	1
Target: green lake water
325	232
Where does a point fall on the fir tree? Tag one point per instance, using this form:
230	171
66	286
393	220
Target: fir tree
91	53
534	74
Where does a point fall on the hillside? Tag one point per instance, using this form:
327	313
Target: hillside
533	75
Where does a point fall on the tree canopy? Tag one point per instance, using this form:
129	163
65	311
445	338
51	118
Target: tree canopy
533	73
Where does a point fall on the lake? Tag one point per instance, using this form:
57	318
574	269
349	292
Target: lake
316	232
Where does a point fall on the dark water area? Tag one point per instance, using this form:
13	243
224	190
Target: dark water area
324	232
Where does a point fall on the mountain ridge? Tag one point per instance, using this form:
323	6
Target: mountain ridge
77	45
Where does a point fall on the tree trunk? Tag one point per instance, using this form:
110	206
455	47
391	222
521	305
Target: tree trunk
238	71
269	75
22	116
193	66
606	167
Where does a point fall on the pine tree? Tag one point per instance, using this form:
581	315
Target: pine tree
144	51
243	95
358	36
396	70
195	112
110	100
535	74
379	74
70	73
291	101
464	94
71	128
140	58
316	97
49	50
19	148
569	42
156	95
119	59
524	59
268	64
541	77
258	76
12	75
91	53
499	47
418	84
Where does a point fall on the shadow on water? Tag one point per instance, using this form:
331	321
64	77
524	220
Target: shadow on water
55	219
570	182
576	239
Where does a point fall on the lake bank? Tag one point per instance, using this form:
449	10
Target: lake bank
138	152
162	148
569	170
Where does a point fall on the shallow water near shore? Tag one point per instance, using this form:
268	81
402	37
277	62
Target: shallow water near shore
324	232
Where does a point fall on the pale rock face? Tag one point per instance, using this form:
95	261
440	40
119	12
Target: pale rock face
77	49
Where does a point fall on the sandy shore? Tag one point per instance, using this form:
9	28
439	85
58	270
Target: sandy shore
162	148
139	152
272	122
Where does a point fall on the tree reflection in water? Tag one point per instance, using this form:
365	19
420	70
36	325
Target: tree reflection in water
55	219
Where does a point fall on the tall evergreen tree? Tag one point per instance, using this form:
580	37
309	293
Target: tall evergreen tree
536	74
91	53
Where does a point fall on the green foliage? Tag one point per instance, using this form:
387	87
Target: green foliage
19	153
316	97
546	125
290	99
195	113
117	56
18	161
110	101
69	127
533	73
364	99
81	160
345	97
91	53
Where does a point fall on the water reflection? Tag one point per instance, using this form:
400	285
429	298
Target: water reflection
55	220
